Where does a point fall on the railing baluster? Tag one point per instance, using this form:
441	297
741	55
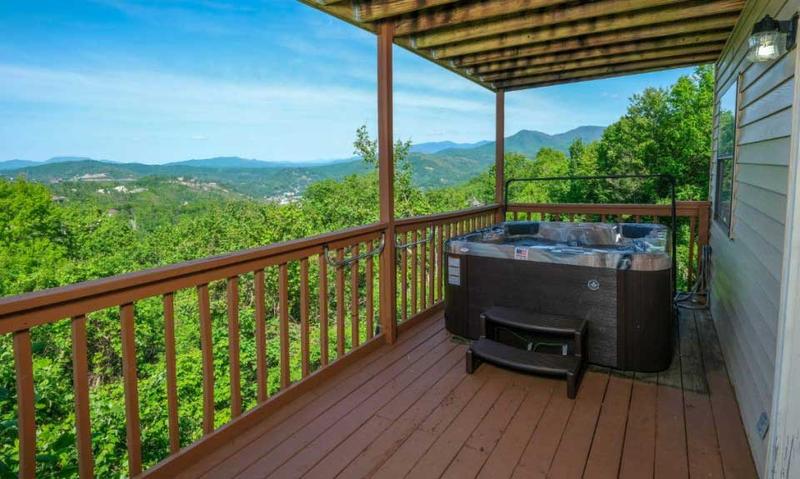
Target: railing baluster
355	339
133	437
323	310
690	271
414	261
431	269
283	311
404	278
80	382
370	280
304	343
423	270
233	345
172	377
206	345
440	260
261	337
638	218
339	305
26	404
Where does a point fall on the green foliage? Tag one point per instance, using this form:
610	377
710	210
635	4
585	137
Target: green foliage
92	234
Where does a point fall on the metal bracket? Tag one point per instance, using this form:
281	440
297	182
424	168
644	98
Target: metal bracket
348	261
399	246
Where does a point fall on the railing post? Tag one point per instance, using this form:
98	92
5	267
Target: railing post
499	154
388	279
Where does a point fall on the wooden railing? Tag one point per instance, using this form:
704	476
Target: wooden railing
322	293
420	265
342	317
693	221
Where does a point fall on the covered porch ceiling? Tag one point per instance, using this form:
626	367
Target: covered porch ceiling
517	44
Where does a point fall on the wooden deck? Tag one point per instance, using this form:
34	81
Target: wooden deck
410	410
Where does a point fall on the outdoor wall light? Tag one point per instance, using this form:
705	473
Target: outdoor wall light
771	38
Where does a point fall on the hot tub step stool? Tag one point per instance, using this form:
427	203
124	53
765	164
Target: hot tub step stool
489	350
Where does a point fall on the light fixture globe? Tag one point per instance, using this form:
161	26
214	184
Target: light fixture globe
771	38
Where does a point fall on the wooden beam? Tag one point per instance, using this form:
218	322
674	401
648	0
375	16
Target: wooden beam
664	54
499	149
605	72
543	18
689	28
388	278
469	12
380	9
600	51
678	15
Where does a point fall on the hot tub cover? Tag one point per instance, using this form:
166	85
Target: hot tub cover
635	246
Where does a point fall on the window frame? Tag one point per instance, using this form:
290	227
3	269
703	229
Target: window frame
727	163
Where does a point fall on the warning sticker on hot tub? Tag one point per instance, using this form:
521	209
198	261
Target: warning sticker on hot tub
454	271
520	253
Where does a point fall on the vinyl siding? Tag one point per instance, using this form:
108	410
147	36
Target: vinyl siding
746	269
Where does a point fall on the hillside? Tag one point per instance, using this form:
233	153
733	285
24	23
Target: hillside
434	164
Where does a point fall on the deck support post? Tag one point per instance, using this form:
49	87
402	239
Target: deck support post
388	276
499	155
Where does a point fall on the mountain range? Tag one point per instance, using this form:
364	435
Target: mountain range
434	164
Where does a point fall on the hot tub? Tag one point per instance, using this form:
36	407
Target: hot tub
618	277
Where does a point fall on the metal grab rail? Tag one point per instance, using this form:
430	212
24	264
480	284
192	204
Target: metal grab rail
399	246
348	261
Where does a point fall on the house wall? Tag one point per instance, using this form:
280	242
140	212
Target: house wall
747	265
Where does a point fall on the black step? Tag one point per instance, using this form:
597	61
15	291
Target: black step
533	362
535	322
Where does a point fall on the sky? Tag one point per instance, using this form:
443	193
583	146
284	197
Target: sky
154	81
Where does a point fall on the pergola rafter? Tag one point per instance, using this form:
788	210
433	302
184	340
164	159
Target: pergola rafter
497	43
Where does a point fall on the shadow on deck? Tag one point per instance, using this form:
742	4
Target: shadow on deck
411	410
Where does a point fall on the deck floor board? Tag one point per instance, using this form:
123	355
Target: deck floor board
410	410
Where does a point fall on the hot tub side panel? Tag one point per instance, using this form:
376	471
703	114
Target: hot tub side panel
575	291
646	320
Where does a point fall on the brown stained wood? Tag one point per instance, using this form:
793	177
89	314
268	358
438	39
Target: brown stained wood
701	435
26	404
304	327
548	57
354	302
369	275
388	280
80	382
323	311
737	460
692	239
609	437
547	18
129	375
207	345
573	450
538	455
261	336
638	454
172	375
404	279
440	253
592	26
330	394
233	345
283	323
482	441
414	253
423	271
606	71
670	454
340	306
466	12
449	420
24	311
431	269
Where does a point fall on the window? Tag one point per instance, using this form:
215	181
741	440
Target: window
726	147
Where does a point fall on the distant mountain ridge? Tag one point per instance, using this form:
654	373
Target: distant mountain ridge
434	164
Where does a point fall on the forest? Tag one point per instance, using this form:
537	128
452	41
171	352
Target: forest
46	243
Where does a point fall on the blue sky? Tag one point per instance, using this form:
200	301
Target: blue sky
155	81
